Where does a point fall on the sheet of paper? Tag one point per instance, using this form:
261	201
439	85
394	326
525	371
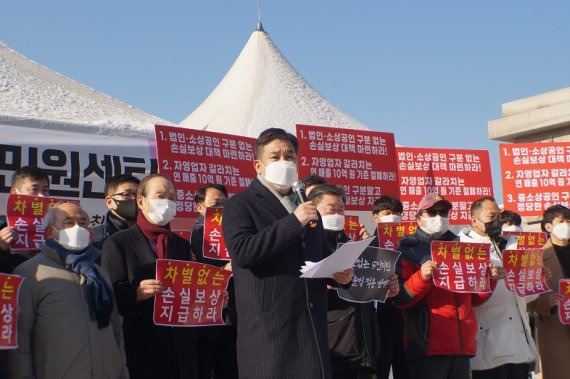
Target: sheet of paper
340	260
307	266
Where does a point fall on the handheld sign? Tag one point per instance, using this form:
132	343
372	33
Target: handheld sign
194	158
214	245
362	162
193	294
352	227
461	176
524	272
564	307
461	266
25	214
372	271
9	291
535	176
528	240
390	233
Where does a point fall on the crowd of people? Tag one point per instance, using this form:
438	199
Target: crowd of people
86	304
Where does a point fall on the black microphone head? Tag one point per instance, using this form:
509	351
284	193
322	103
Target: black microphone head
298	186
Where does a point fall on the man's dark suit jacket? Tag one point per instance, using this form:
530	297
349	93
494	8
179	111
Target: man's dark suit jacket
282	328
152	351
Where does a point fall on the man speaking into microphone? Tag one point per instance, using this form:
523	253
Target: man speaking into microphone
282	329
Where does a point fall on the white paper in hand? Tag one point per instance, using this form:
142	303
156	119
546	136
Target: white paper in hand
307	266
340	260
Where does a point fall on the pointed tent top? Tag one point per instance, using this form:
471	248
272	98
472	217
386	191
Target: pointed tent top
259	25
263	90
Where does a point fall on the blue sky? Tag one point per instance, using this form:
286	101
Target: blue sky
432	72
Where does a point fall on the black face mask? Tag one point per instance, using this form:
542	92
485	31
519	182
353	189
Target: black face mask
127	209
493	228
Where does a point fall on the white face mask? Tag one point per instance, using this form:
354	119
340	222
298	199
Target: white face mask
333	222
161	211
75	238
390	218
562	231
281	173
435	225
512	228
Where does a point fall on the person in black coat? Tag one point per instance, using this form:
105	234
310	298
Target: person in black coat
352	328
216	345
121	200
129	256
282	318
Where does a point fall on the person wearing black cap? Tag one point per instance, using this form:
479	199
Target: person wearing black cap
440	325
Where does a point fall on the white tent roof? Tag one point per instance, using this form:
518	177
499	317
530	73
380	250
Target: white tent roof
263	90
35	96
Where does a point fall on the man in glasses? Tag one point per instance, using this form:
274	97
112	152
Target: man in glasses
440	325
120	198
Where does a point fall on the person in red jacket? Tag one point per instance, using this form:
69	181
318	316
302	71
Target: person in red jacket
440	326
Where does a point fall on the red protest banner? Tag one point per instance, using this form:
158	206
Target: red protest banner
461	266
362	162
183	233
564	307
9	290
25	214
524	273
528	240
193	294
390	233
214	245
352	227
535	176
461	176
193	158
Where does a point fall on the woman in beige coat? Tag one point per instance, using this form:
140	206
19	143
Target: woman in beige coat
553	337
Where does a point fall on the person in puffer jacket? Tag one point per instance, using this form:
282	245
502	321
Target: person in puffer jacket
440	326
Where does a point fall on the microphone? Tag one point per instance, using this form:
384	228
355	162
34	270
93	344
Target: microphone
299	188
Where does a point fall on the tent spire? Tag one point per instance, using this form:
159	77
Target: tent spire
259	25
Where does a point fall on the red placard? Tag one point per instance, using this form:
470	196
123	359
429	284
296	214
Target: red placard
535	176
524	273
461	176
193	294
362	162
564	306
461	266
390	233
214	245
528	240
194	158
352	227
184	234
25	214
9	291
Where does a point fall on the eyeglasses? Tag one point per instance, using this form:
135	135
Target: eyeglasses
435	212
125	195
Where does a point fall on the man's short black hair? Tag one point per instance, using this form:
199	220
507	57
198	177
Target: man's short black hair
387	203
553	212
200	194
271	134
319	191
30	172
510	217
313	180
114	182
478	204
